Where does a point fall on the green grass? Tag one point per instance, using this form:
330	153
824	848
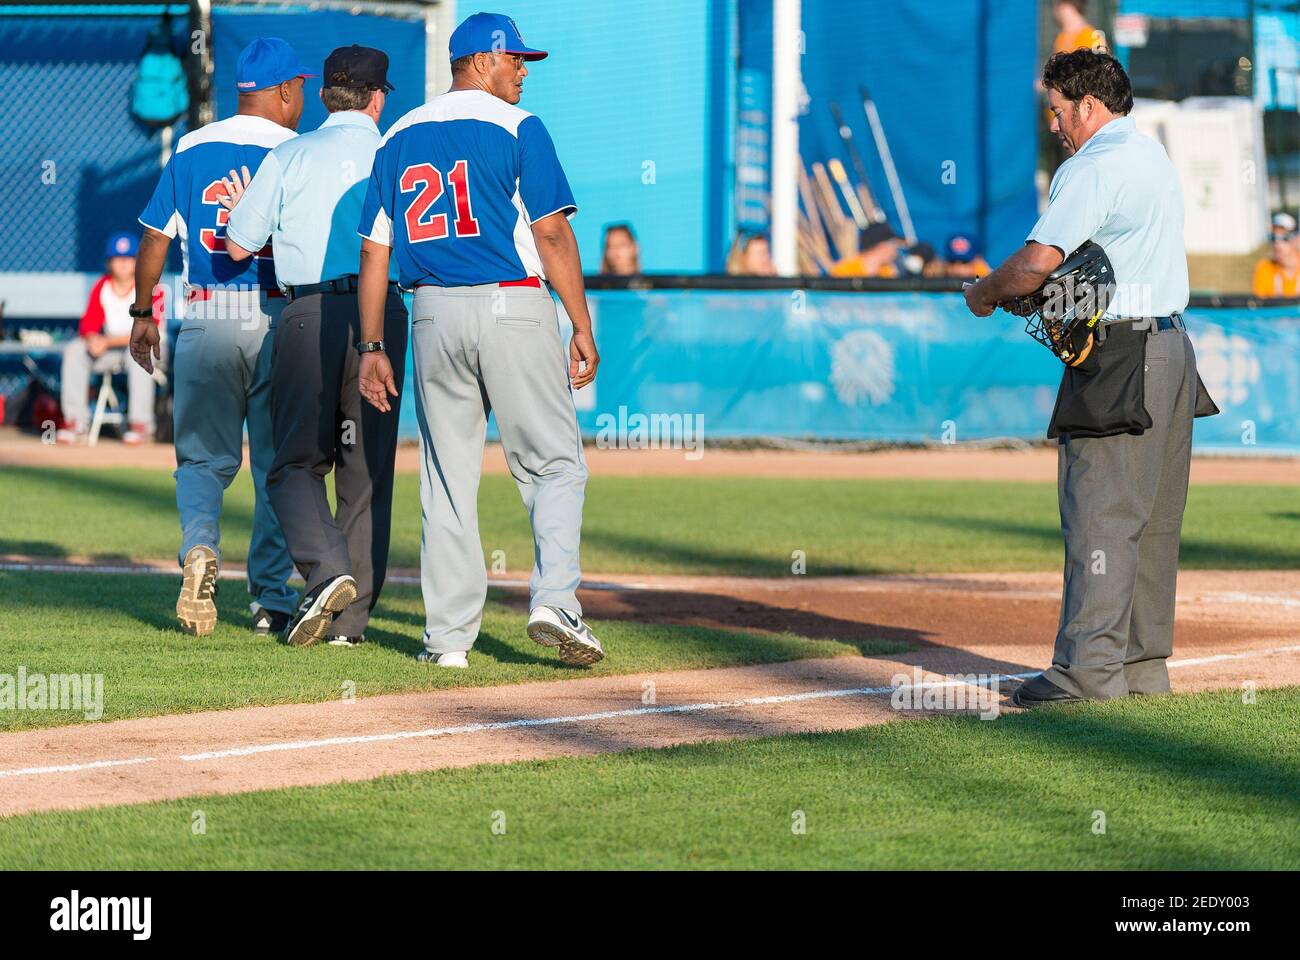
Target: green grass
122	627
710	525
1185	782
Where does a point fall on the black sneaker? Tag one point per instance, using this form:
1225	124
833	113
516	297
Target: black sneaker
267	622
345	641
317	610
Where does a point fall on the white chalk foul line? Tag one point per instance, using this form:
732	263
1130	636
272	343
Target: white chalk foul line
77	767
1219	657
591	717
513	724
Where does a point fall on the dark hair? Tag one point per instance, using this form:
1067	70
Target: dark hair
1078	73
461	64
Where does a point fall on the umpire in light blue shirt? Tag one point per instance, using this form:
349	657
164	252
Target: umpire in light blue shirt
306	199
1123	417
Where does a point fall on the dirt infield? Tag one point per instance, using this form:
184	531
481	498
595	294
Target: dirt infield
1232	628
1035	464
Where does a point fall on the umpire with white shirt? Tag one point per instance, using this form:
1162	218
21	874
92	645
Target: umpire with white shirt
1123	417
308	200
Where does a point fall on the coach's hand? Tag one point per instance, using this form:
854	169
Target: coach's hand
144	346
582	349
376	380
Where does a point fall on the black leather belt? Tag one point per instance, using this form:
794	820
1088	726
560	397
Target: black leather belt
1172	322
346	284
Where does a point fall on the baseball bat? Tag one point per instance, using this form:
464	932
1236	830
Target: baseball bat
810	204
843	231
887	161
863	188
850	198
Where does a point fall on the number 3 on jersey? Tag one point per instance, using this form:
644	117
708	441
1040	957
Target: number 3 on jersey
427	180
208	236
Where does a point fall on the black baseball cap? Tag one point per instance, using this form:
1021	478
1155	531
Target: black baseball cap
874	234
363	68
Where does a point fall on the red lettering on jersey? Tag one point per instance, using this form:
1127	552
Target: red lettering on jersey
208	236
466	225
428	180
427	177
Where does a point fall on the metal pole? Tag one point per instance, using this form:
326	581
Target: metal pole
787	80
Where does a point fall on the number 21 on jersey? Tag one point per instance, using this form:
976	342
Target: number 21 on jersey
426	182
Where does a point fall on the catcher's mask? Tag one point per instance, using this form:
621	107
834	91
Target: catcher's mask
1063	314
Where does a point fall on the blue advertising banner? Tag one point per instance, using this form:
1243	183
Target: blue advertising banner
754	118
905	367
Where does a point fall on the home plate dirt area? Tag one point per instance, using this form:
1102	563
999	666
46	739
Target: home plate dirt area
1233	629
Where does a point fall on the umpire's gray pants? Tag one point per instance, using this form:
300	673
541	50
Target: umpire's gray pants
320	423
1122	502
475	350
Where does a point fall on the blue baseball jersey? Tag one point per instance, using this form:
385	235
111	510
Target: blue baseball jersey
185	203
455	187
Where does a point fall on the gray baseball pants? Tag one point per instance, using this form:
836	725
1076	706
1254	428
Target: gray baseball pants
222	366
477	350
1122	501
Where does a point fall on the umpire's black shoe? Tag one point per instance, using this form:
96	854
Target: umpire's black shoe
267	622
317	610
1038	690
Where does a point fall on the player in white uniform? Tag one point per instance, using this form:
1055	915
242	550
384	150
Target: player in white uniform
468	194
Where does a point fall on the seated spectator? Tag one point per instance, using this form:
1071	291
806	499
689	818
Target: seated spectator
920	260
100	347
1279	275
621	256
964	259
877	256
751	256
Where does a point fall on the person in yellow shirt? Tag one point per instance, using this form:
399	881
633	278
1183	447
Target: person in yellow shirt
1279	275
878	248
1076	32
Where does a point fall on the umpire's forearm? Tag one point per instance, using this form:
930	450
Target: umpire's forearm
558	249
372	289
1021	274
149	263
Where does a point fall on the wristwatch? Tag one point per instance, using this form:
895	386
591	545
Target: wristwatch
370	346
140	313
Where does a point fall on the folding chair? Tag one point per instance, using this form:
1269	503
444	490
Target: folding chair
108	408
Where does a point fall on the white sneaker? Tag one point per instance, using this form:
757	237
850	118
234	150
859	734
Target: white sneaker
458	659
554	627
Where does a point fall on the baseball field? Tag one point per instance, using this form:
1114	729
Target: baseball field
809	661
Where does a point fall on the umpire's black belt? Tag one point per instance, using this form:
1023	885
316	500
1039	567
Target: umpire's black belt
1153	324
346	284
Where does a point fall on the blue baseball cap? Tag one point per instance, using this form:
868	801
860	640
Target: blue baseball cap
962	248
121	245
265	62
490	33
